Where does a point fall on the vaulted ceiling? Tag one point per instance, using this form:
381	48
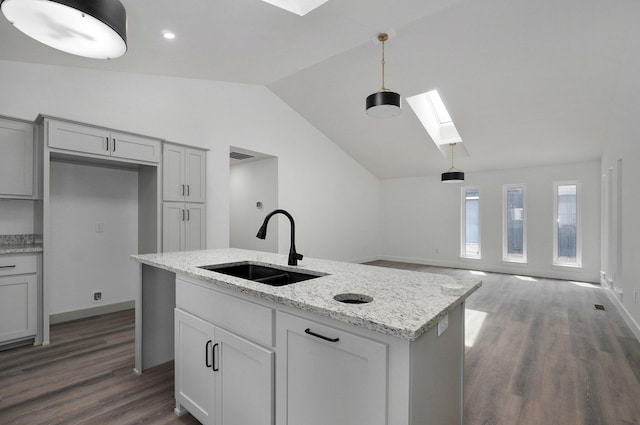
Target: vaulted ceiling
527	82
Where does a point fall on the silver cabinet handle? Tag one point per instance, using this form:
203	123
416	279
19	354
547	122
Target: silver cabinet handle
8	267
182	215
107	144
182	190
188	190
114	144
188	215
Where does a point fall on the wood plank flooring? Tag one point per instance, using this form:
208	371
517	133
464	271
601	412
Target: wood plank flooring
541	355
544	355
85	377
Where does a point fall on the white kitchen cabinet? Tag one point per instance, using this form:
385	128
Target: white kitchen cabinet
221	378
194	376
102	142
16	159
183	226
184	173
329	376
18	297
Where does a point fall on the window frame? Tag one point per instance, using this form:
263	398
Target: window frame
556	261
463	224
505	247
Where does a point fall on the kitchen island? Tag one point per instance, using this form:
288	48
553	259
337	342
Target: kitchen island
353	344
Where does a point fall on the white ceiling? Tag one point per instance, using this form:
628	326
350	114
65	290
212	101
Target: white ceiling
526	82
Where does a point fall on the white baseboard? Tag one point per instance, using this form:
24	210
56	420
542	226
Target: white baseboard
628	319
68	316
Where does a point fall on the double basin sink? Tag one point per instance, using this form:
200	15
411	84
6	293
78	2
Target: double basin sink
258	273
274	276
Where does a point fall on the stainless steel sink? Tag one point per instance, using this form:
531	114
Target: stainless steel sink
258	273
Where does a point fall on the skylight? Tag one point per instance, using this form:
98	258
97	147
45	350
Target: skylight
299	7
438	106
435	118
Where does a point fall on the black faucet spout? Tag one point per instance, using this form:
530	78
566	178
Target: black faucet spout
262	233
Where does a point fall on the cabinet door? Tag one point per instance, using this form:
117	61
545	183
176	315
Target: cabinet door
244	381
16	158
173	185
74	137
195	171
18	306
340	380
194	376
194	227
137	148
173	225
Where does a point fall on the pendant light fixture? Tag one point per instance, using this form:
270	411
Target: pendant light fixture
94	29
384	103
453	175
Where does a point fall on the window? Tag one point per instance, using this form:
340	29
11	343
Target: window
470	223
566	229
514	233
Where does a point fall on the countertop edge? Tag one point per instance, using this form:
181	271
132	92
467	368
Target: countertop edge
406	334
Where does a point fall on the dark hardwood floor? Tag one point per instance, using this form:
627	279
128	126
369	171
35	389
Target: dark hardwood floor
539	353
543	355
85	377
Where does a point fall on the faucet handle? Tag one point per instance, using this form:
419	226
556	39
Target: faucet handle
298	256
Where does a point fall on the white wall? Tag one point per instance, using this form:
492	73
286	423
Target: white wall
82	259
251	182
624	144
334	200
421	220
16	217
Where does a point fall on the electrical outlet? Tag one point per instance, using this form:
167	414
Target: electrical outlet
443	324
99	227
97	297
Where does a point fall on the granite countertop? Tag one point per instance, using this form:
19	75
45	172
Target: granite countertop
17	244
406	304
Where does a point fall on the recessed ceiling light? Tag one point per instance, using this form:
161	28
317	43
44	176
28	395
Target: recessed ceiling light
168	35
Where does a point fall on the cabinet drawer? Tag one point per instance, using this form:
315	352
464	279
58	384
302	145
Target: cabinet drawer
248	319
18	264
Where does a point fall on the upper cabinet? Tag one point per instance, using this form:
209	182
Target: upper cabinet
16	159
183	173
102	142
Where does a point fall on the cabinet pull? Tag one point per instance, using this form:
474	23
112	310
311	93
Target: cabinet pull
206	354
188	215
114	144
188	190
213	351
326	338
182	189
8	267
107	144
182	215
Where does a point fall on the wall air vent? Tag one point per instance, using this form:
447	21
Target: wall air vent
239	156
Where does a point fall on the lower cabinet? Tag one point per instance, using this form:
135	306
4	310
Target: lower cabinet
221	378
329	376
183	226
18	297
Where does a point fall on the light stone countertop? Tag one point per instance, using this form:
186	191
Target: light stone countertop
18	244
21	248
406	304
